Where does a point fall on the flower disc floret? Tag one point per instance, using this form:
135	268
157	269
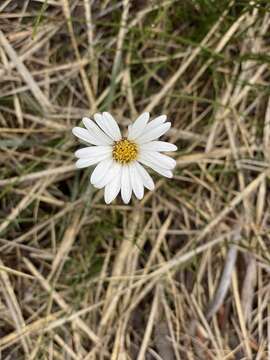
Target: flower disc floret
125	151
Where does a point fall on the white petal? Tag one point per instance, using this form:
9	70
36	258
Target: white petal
155	123
102	123
154	133
138	127
126	189
113	172
84	135
112	128
112	189
93	151
100	170
108	125
136	181
96	131
158	146
158	169
158	159
82	163
146	178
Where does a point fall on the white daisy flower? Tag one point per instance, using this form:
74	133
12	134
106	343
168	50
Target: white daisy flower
120	158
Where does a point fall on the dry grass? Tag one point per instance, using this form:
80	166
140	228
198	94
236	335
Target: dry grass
183	274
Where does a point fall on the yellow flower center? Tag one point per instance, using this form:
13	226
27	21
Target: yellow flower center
125	151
